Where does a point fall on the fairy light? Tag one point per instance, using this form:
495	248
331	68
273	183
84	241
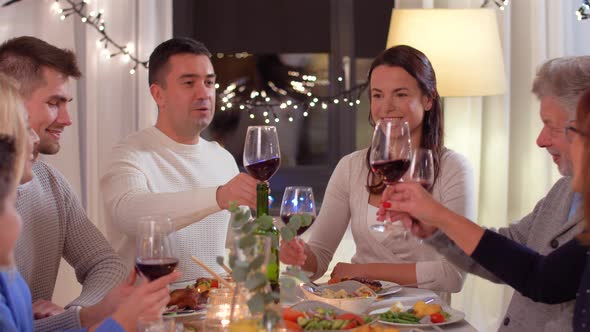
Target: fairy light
223	108
290	119
251	116
267	121
96	20
305	114
336	101
583	12
265	113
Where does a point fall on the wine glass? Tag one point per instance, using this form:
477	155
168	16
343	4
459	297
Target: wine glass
298	201
155	256
391	154
262	155
155	248
422	170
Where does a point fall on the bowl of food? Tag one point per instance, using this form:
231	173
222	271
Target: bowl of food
349	295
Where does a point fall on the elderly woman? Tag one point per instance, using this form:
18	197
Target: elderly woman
561	276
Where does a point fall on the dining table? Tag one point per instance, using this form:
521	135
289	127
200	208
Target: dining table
407	296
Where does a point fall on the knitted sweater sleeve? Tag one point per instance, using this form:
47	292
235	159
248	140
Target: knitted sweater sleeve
127	195
98	268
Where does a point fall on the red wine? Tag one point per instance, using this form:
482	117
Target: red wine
154	268
287	217
391	171
263	170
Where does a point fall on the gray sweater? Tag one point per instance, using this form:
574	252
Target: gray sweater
54	226
544	229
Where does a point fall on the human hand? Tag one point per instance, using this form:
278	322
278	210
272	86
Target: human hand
414	200
342	270
240	189
94	314
293	252
43	309
418	228
146	302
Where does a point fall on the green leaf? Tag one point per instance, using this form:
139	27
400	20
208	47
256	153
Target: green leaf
264	222
287	283
258	280
287	234
256	303
256	263
307	219
240	273
220	260
295	223
249	227
247	241
233	206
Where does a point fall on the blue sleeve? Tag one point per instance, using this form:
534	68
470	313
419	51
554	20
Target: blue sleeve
7	324
549	279
109	325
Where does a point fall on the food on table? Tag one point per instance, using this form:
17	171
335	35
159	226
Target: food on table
193	297
373	284
375	328
422	309
415	315
320	319
362	292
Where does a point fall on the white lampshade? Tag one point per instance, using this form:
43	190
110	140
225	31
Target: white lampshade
462	44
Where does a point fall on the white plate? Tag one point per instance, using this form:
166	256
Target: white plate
185	313
388	288
456	316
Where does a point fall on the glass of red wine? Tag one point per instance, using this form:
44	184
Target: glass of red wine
155	248
155	256
391	154
262	155
298	201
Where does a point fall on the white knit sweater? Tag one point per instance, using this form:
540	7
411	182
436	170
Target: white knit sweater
346	200
151	174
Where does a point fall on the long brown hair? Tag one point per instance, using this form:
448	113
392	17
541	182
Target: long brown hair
583	124
417	65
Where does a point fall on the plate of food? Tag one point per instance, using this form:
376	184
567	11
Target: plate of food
189	298
380	287
349	295
421	314
320	316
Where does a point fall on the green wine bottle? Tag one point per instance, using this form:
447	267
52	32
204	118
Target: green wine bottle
272	269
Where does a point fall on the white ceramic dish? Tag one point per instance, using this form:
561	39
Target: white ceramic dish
357	305
388	288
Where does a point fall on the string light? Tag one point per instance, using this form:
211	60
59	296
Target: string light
500	3
583	12
96	20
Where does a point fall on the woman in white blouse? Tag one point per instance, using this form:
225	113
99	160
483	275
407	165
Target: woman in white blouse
402	84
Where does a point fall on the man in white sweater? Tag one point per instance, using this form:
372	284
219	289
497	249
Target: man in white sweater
169	170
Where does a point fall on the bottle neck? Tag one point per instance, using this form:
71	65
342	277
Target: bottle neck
262	199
